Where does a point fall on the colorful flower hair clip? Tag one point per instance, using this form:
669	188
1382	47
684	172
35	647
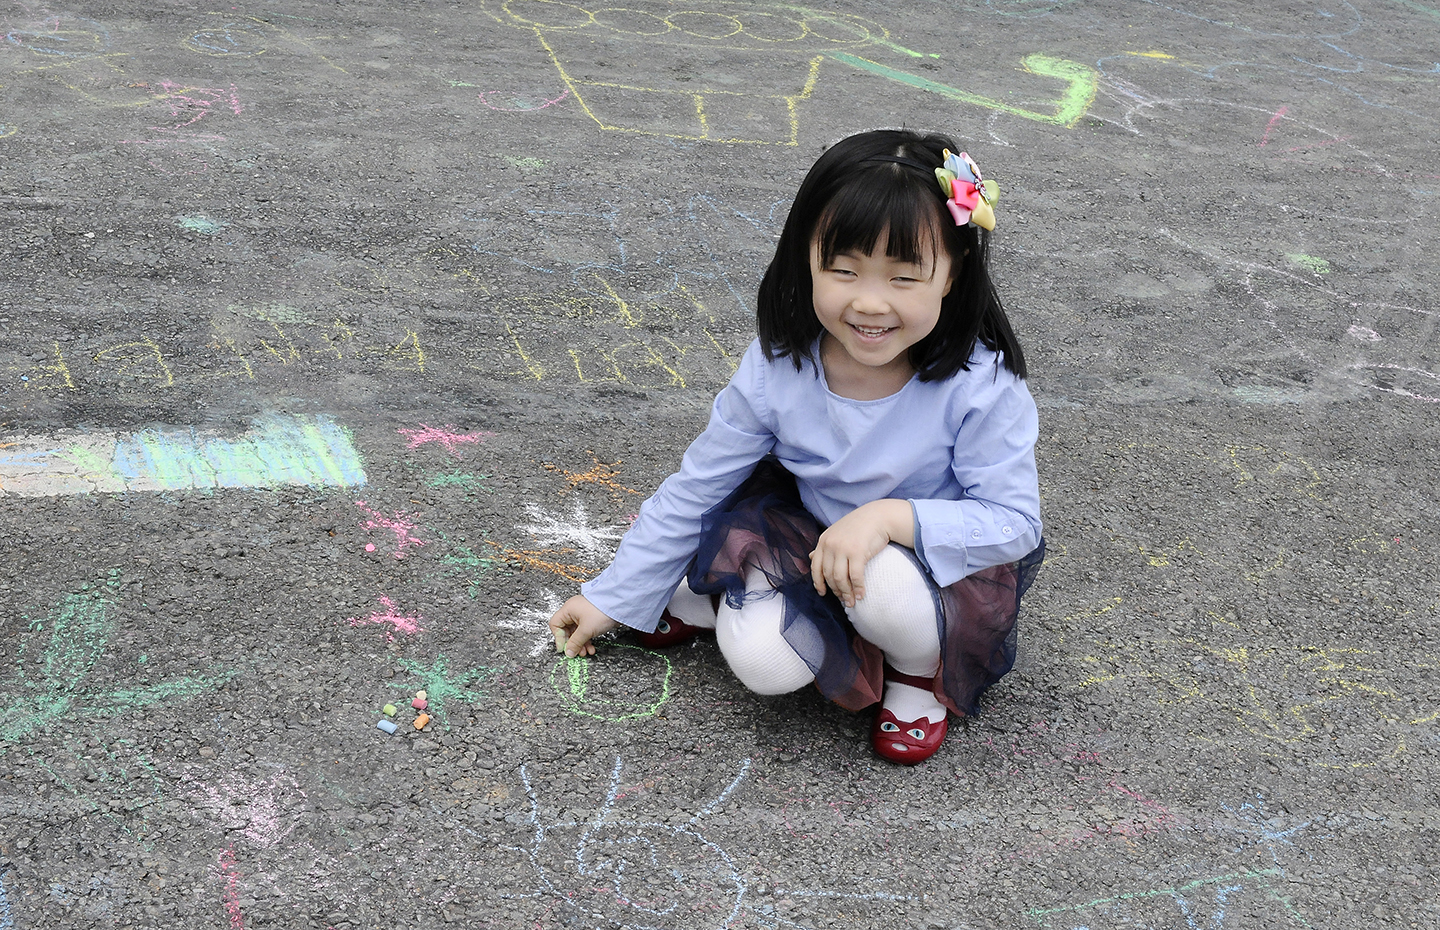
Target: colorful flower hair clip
970	198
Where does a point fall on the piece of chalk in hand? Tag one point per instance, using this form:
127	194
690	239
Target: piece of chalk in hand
385	725
561	638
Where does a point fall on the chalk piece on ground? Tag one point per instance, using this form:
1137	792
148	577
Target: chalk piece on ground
418	704
421	720
386	725
389	710
421	695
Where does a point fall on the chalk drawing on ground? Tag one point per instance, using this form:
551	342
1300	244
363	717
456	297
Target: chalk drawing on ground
1338	703
231	36
622	683
534	621
750	39
443	686
1238	898
1319	324
56	690
277	451
391	619
573	530
601	473
614	868
1209	903
448	437
656	284
398	524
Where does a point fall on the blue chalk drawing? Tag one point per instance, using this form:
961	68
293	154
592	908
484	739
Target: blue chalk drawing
7	921
279	450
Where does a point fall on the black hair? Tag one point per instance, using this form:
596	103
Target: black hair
864	187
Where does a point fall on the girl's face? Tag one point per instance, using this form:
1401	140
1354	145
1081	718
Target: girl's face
875	307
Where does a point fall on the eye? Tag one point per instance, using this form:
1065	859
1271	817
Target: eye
916	732
888	727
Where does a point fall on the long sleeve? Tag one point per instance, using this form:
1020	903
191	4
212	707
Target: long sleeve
654	553
998	518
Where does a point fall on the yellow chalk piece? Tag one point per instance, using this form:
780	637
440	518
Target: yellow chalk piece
561	638
421	720
421	695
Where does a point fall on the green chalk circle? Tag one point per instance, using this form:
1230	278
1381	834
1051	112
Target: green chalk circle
627	684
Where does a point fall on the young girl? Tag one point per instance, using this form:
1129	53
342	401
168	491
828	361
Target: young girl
864	497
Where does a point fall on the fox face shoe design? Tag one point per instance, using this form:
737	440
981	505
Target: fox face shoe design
906	742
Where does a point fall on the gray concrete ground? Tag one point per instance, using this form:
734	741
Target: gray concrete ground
339	341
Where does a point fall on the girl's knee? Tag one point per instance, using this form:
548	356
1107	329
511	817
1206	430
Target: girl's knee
756	650
896	588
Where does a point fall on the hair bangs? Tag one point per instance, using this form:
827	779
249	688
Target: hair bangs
887	203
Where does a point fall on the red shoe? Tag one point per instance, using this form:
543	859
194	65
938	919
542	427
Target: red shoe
906	742
669	632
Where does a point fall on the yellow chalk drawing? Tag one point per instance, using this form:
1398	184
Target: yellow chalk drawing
47	372
141	359
244	37
724	51
1279	696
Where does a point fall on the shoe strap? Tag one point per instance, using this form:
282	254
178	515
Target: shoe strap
914	681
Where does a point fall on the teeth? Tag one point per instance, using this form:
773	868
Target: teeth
872	331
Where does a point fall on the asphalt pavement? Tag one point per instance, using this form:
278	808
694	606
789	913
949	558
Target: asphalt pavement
340	342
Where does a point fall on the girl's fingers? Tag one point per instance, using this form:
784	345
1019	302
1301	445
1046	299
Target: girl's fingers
817	572
857	580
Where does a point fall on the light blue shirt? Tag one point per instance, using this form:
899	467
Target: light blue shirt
961	451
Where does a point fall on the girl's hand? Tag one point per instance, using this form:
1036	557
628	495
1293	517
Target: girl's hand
576	623
852	541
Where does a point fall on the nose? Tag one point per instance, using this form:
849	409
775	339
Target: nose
869	299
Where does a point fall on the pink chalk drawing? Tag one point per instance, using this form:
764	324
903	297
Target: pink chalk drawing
1279	115
398	624
525	104
195	103
403	529
231	895
445	436
263	812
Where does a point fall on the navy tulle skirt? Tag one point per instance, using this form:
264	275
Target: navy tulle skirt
764	524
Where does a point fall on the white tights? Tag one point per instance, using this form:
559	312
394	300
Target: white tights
897	615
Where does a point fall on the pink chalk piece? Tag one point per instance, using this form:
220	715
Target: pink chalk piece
419	704
398	624
445	436
403	529
369	547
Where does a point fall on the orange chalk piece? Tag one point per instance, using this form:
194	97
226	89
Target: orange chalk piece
421	720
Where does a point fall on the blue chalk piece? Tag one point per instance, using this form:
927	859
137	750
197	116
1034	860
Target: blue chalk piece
386	725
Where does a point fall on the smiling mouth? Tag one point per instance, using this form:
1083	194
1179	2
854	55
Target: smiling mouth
871	332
